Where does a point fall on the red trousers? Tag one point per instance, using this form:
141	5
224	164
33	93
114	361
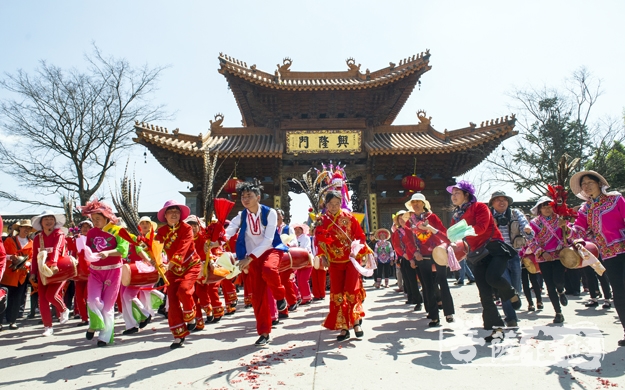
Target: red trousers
180	292
80	300
229	291
319	283
50	294
263	273
290	289
345	297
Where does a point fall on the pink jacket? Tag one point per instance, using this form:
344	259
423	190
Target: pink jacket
603	222
547	238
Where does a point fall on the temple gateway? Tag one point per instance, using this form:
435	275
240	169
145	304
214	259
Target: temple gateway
292	121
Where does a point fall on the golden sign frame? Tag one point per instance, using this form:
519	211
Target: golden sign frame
292	138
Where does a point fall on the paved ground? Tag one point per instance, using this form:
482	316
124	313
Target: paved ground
398	349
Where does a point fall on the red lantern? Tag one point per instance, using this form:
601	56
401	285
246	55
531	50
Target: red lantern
413	183
231	186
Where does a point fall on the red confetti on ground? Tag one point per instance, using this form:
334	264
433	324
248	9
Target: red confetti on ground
153	329
281	383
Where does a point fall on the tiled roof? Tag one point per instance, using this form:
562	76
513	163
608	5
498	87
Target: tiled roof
245	145
414	140
284	78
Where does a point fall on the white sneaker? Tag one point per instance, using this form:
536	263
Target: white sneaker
64	316
48	331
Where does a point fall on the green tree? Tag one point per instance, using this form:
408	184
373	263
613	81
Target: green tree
551	123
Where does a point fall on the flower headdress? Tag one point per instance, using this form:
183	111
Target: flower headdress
96	207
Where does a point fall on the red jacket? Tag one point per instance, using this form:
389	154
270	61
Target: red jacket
179	245
425	240
479	216
398	245
54	244
410	244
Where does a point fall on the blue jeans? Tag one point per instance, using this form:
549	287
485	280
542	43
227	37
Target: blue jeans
513	275
464	269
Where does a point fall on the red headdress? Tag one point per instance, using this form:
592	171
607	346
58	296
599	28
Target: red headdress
96	207
558	195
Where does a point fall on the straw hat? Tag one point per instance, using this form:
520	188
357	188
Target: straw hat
380	231
23	223
417	196
36	220
185	211
576	187
195	219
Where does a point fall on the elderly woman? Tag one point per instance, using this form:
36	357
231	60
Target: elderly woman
51	239
334	235
430	232
489	270
546	245
105	274
602	219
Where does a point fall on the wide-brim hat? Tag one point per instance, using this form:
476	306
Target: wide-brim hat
380	231
185	211
576	187
464	186
417	196
36	220
148	219
500	194
23	223
541	200
398	214
305	228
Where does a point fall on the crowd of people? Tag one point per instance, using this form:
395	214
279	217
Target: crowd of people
180	268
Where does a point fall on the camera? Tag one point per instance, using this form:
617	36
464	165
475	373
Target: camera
502	220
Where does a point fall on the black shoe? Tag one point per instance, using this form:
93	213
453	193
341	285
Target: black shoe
102	343
459	283
516	305
229	313
449	318
606	305
512	324
539	305
209	319
283	315
177	345
281	304
621	343
563	299
358	333
418	307
262	341
294	306
13	327
558	319
434	323
274	323
343	336
131	330
191	326
531	308
497	335
145	322
31	316
89	335
592	303
82	323
471	281
317	299
216	320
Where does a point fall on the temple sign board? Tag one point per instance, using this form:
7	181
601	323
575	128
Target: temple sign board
324	141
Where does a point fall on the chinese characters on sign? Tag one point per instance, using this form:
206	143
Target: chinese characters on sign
373	203
326	141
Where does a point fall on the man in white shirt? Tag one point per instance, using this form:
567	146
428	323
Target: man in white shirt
259	250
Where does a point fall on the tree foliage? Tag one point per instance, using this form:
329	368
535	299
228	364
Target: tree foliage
64	129
551	123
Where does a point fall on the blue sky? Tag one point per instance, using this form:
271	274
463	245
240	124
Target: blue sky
481	51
